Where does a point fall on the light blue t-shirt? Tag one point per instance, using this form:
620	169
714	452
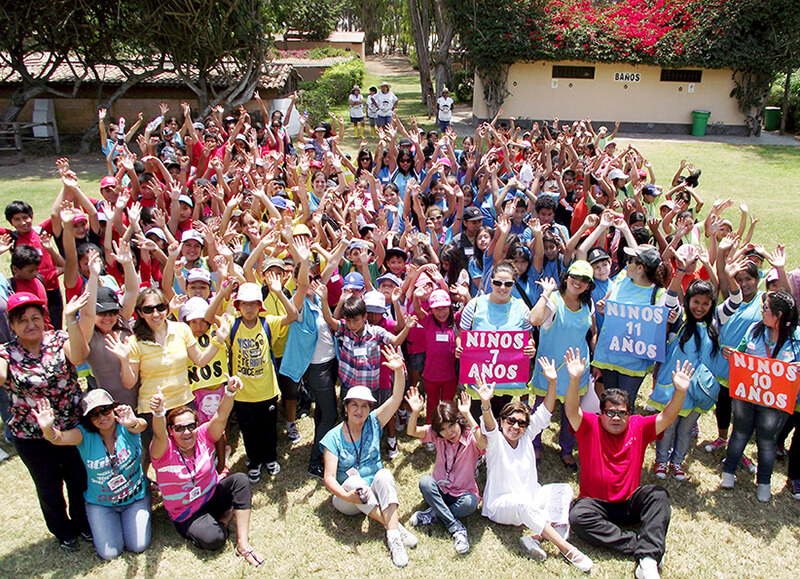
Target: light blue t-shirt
364	455
113	480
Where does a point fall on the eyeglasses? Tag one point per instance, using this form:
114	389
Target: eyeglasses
498	283
617	413
191	427
100	411
155	308
521	422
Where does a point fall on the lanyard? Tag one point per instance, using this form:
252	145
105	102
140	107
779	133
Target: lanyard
194	463
353	442
448	470
112	458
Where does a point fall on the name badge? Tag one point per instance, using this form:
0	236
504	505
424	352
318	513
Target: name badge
361	352
468	251
116	482
195	493
352	472
442	338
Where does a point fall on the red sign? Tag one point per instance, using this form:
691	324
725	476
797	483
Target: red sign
764	381
497	356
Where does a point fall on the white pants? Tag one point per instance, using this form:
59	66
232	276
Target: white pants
382	493
549	505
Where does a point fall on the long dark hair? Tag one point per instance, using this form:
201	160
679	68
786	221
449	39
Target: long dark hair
455	257
699	287
782	305
477	253
141	330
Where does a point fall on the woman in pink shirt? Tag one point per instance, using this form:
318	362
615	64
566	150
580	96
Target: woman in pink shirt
452	491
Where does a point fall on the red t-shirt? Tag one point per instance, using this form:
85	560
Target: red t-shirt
611	465
47	268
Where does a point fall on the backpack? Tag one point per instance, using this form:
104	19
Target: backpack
235	328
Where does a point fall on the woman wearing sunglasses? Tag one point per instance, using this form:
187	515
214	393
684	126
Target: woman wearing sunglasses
197	501
117	495
513	495
498	311
158	355
566	319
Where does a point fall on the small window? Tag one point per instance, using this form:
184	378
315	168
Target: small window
681	75
586	72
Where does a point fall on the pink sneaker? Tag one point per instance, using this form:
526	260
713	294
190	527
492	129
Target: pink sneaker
661	470
677	471
749	464
716	444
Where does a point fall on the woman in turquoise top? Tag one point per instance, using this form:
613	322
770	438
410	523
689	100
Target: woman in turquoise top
566	320
498	311
741	310
776	337
694	338
117	495
642	284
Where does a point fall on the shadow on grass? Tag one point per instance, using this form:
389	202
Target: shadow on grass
775	153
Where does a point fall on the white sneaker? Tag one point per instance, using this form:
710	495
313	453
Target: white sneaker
460	541
3	455
409	540
392	451
647	569
273	468
763	493
292	432
533	548
398	551
425	517
728	481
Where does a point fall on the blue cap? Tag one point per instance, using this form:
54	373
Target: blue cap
651	189
353	281
389	277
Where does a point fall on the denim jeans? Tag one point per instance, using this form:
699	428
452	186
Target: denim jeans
767	422
448	509
674	446
115	528
321	380
631	384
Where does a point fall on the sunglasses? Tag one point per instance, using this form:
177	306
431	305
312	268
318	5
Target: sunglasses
521	422
100	411
404	161
156	308
617	413
581	278
498	283
191	427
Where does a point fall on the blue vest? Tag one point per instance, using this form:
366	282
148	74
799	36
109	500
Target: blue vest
734	330
301	341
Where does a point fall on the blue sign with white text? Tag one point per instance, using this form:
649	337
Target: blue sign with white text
637	330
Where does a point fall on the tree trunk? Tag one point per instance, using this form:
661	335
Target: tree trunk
18	100
418	25
445	30
787	86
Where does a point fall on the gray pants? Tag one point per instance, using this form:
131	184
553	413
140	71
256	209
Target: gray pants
382	493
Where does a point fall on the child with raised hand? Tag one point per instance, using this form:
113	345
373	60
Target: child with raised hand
452	491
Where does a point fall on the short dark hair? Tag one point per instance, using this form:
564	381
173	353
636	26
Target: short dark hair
513	407
15	314
545	202
175	412
446	412
25	255
353	307
615	396
16	207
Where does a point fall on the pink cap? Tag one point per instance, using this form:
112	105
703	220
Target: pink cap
80	218
108	181
23	299
439	299
422	280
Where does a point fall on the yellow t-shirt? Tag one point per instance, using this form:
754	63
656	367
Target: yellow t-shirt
274	307
211	375
251	360
164	366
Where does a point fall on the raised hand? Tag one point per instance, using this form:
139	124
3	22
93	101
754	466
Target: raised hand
119	348
464	403
548	284
124	415
682	376
483	390
777	258
414	400
393	357
44	413
157	402
575	364
75	304
233	383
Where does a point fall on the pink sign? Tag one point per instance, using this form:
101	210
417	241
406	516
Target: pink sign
497	356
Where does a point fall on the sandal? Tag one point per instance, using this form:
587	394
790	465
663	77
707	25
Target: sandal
578	559
251	556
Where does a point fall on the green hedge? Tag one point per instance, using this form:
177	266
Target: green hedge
333	87
776	100
463	88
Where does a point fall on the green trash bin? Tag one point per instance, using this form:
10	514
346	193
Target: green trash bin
699	123
772	118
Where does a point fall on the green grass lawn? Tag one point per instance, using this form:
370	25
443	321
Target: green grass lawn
712	534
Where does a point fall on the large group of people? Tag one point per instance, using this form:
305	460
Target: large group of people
228	268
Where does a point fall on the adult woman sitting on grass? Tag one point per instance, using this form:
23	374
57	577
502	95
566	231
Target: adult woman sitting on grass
117	496
200	505
452	491
513	495
354	471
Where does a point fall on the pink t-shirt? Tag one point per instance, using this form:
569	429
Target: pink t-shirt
459	459
440	345
611	465
416	335
177	475
386	377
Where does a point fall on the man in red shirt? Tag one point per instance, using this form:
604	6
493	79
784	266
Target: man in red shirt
611	447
